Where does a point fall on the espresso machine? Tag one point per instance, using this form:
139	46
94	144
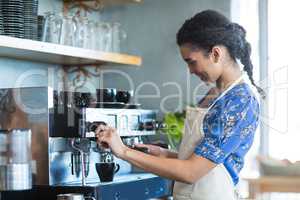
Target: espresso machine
64	148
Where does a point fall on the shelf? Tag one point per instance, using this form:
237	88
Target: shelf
110	1
23	49
121	1
104	3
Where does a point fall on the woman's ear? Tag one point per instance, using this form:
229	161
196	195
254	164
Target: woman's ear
216	54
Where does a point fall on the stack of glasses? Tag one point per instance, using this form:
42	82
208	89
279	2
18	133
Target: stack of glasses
13	20
18	18
30	19
1	21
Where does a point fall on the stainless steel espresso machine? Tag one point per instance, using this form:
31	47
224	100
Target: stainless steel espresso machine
64	149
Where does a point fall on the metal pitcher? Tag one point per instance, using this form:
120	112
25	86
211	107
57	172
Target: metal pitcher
15	177
15	160
73	196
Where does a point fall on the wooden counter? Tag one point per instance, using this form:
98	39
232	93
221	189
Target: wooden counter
268	184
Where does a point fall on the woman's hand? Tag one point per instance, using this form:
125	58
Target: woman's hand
108	137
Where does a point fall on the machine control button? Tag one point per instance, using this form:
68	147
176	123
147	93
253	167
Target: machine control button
117	195
147	191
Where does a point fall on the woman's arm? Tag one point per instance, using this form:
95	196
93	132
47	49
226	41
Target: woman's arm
159	151
188	171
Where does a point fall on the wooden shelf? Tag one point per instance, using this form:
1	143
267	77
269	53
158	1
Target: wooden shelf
122	1
109	2
23	49
112	2
91	3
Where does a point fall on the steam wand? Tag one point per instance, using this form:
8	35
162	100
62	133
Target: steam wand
81	160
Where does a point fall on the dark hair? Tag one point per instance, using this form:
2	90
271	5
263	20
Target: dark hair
210	28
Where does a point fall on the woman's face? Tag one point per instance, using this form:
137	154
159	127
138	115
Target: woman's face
206	67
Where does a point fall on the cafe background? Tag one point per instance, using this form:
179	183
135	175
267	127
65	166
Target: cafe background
163	81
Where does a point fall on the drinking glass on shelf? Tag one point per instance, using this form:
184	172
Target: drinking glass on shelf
52	28
97	33
118	36
90	42
105	36
68	30
82	32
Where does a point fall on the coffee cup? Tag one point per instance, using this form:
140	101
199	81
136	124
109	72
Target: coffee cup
107	170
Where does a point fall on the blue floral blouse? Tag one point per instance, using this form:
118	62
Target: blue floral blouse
229	128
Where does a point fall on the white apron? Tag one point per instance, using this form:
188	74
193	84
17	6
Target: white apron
217	184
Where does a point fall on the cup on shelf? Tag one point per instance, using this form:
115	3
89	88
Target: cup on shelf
68	29
124	96
90	42
81	32
118	37
106	95
52	28
105	36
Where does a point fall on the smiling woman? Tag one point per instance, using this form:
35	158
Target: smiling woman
215	41
199	62
216	138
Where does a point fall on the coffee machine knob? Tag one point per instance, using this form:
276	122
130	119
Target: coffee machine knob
150	125
141	126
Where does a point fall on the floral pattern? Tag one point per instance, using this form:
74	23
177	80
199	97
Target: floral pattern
229	128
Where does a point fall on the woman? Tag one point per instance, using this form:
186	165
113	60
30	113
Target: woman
216	137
